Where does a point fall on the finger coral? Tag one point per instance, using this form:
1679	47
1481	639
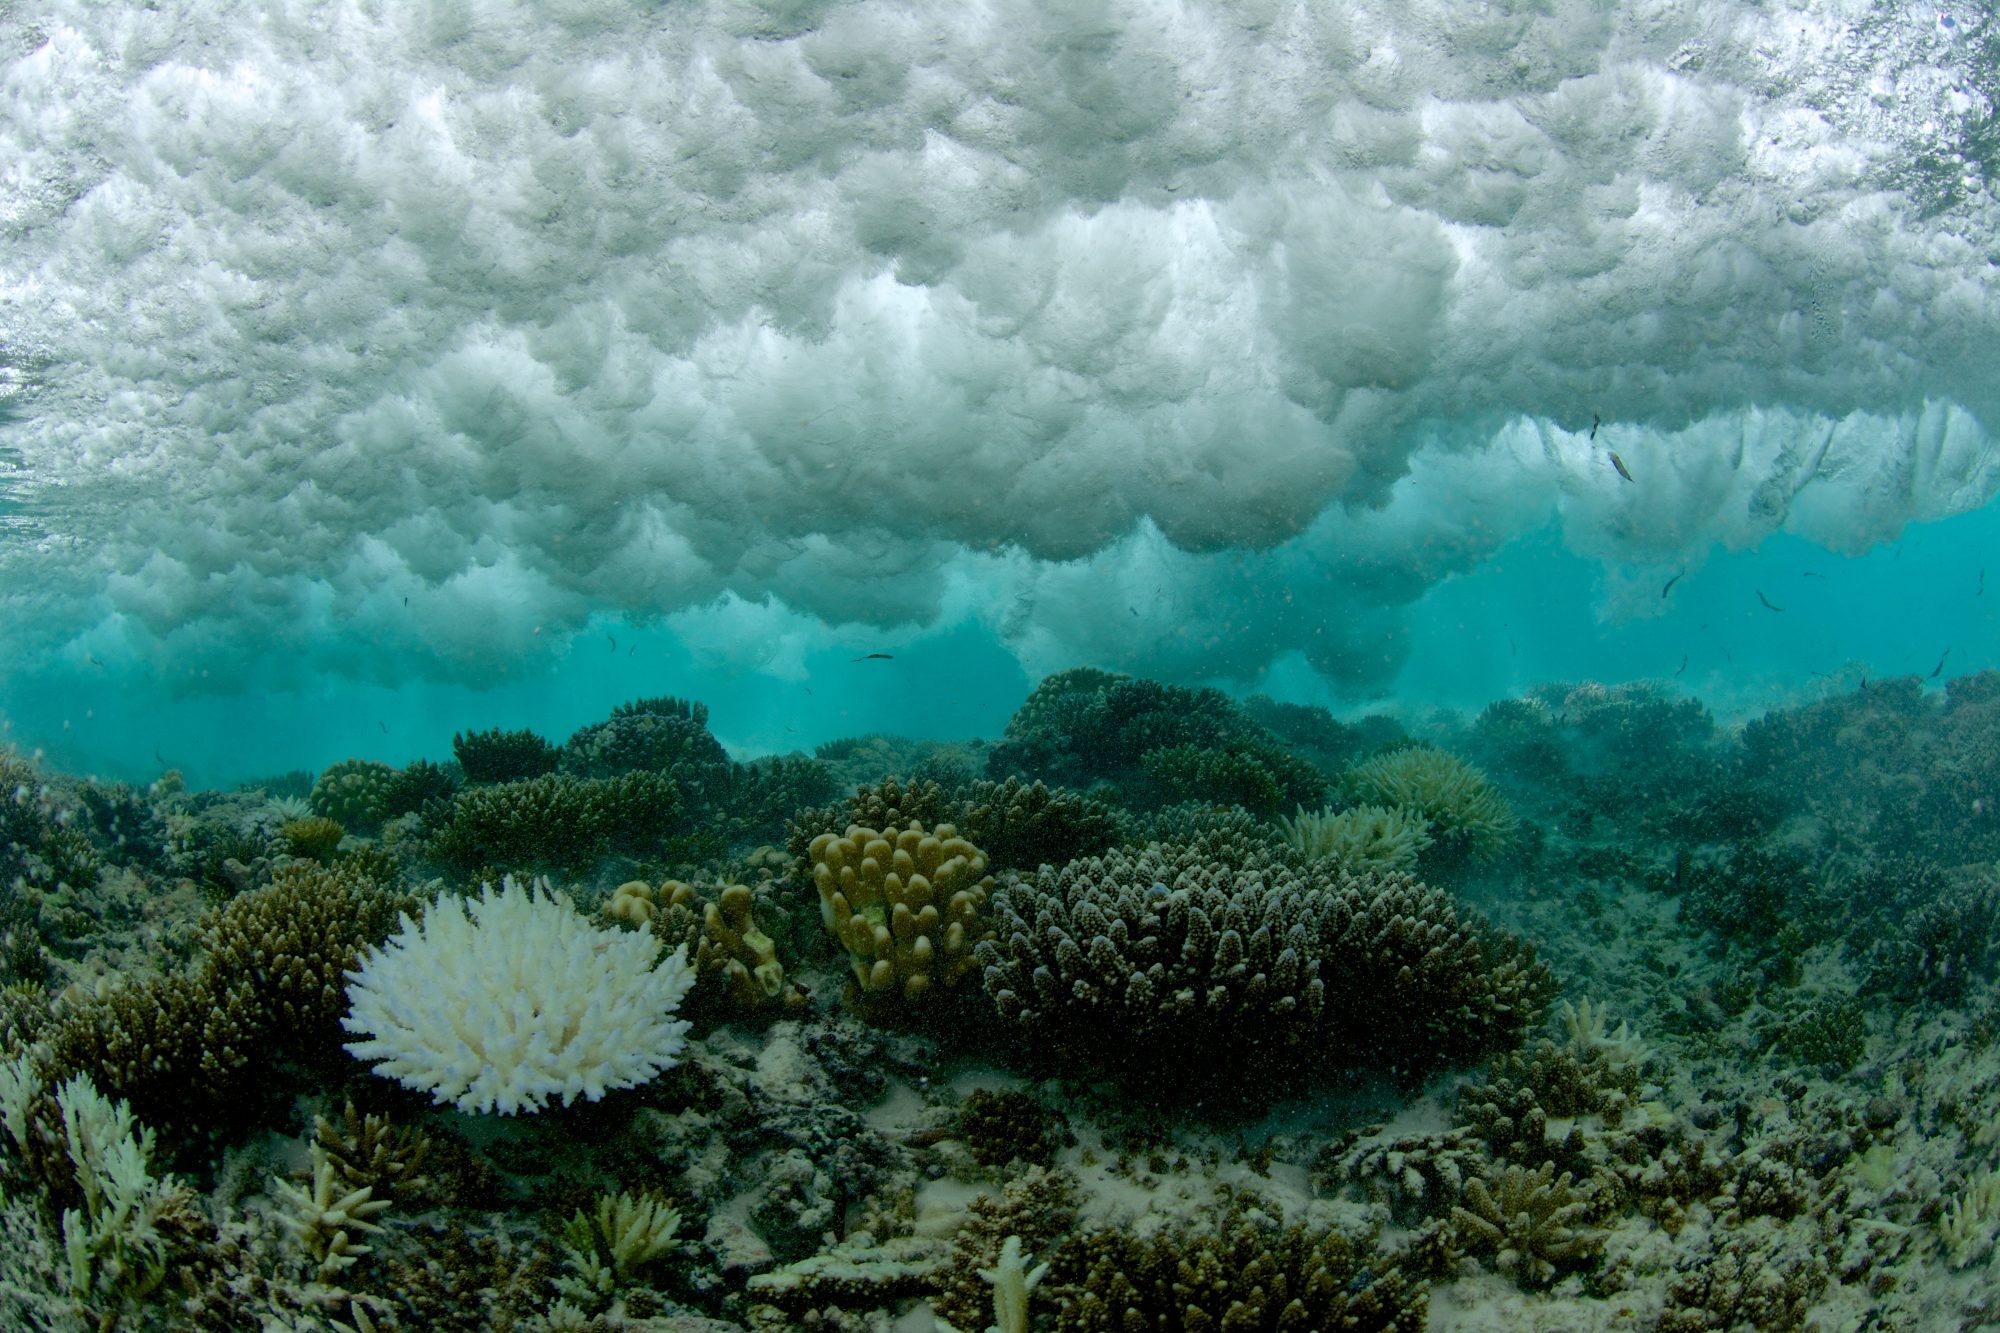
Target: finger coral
908	906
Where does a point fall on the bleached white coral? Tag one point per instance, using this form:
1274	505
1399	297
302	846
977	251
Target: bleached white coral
504	1001
114	1243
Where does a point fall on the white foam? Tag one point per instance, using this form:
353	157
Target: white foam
525	314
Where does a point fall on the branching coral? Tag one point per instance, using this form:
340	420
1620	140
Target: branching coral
1531	1221
322	1215
504	1002
354	793
625	1233
557	822
1366	837
502	756
1463	807
1216	956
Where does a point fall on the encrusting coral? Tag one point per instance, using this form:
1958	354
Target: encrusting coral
906	905
506	1001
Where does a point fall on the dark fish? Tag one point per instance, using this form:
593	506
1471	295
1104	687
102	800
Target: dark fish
1767	602
384	725
1133	609
632	651
406	601
1594	423
1682	667
1938	670
93	661
156	755
874	657
1618	463
1982	584
1670	585
1813	574
614	642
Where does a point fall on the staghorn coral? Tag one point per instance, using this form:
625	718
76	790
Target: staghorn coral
119	1242
1531	1222
1366	837
1175	958
372	1151
1260	777
1465	810
609	1245
355	793
504	1002
909	911
502	756
321	1216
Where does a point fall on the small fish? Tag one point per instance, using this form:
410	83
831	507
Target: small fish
1682	667
875	657
1864	682
1938	670
156	755
1670	584
406	601
1618	463
1594	423
809	689
633	651
93	661
384	725
1813	574
1982	584
1767	602
1133	609
614	643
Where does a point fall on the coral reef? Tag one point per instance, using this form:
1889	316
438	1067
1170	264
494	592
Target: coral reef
354	793
908	906
502	756
1466	813
1366	837
1249	1273
510	1000
555	822
1024	826
1173	959
646	735
1530	1221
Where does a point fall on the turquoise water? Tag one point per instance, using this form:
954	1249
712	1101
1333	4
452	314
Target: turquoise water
1518	477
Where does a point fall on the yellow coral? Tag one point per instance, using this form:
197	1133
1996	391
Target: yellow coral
906	905
731	944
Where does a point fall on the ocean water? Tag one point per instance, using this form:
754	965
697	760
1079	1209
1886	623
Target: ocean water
1478	516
